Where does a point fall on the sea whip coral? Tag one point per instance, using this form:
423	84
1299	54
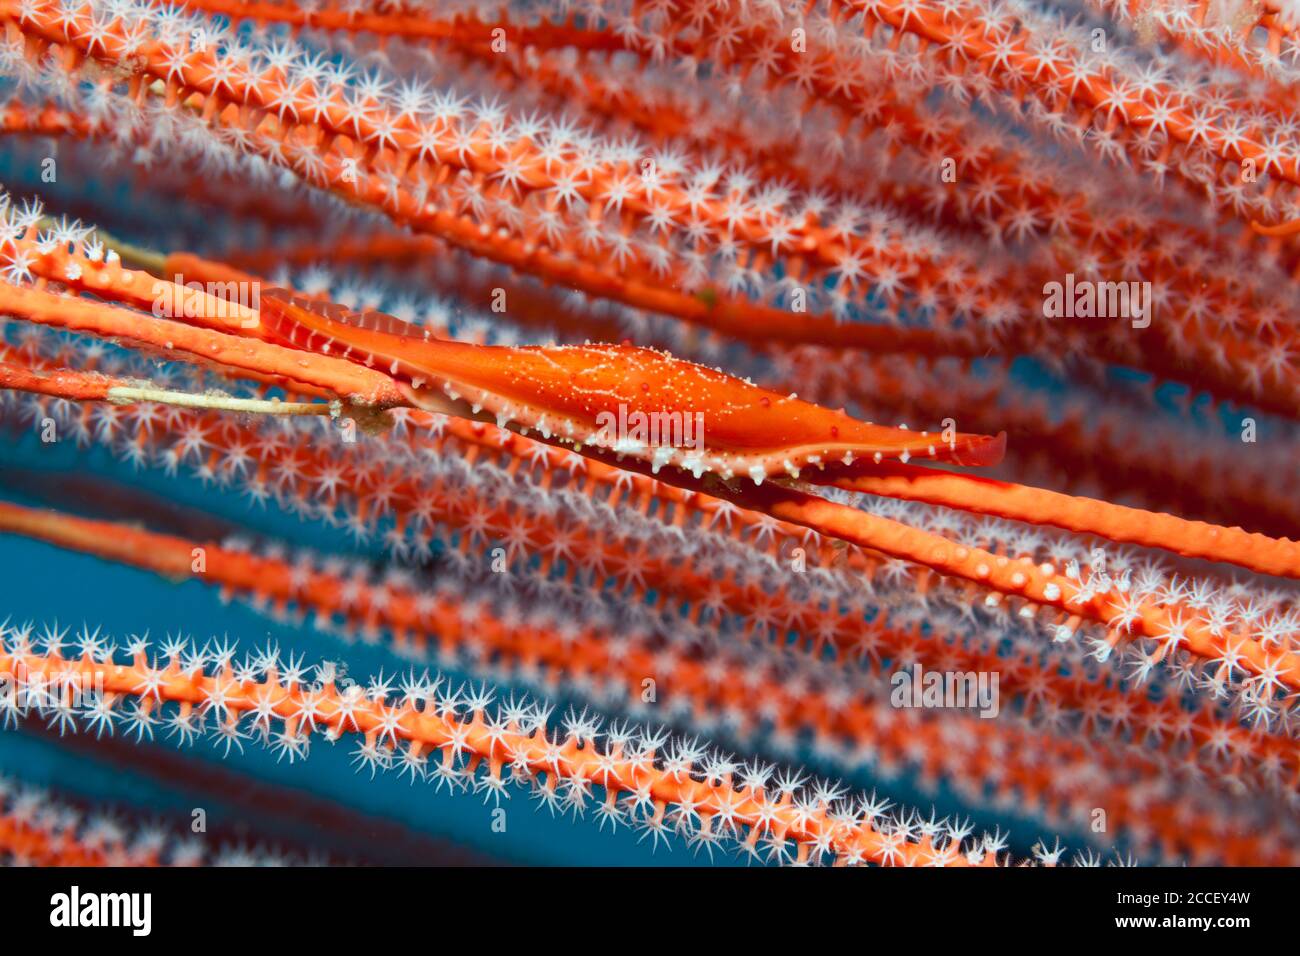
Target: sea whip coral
482	233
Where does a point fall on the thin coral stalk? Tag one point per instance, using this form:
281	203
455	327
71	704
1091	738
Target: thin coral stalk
480	740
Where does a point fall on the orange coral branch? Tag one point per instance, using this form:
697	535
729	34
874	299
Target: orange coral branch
338	377
1176	625
62	383
1194	539
485	743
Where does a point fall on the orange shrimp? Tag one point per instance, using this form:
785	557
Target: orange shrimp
621	399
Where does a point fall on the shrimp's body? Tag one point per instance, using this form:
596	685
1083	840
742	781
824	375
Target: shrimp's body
588	395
